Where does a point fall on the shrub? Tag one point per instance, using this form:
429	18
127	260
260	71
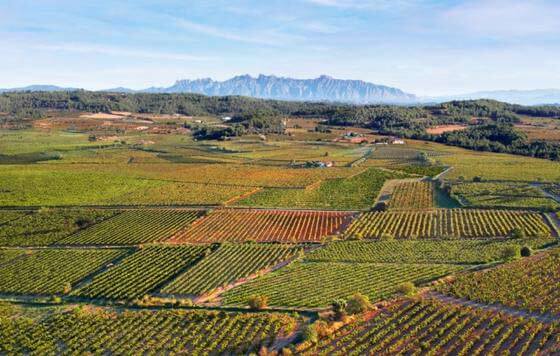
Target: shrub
357	304
511	253
517	233
258	302
339	309
477	179
309	334
526	251
407	288
386	236
83	221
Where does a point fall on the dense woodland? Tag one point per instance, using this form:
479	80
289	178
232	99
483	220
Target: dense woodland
494	132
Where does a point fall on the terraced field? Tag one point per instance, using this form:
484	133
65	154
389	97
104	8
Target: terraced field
239	225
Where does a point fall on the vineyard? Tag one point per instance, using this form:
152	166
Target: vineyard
104	331
46	226
52	271
351	193
412	195
451	223
228	264
7	255
135	227
464	251
239	225
142	272
530	284
319	283
415	327
502	195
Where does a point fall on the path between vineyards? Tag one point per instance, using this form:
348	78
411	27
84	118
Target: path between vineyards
544	318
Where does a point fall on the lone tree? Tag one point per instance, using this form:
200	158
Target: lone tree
526	251
357	304
258	302
407	288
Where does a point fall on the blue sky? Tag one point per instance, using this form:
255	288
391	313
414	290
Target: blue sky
426	47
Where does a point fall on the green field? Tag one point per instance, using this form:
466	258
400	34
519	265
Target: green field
357	192
228	264
53	271
134	227
316	284
108	331
47	226
142	272
422	251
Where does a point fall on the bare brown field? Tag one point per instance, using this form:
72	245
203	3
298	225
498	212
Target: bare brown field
437	130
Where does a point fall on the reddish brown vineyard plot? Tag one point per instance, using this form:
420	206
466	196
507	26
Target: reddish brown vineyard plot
237	225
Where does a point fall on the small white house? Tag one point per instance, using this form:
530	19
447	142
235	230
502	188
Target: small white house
226	118
398	142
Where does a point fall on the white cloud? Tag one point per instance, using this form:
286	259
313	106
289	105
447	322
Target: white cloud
364	4
264	37
117	51
505	18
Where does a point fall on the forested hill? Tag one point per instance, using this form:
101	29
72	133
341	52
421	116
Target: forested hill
493	132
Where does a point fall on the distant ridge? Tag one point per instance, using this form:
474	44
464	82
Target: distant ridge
522	97
323	88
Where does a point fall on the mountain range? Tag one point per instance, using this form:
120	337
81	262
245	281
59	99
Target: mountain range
323	88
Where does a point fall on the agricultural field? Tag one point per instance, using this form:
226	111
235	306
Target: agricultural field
53	271
108	331
46	226
502	195
320	283
430	327
144	271
464	251
241	225
134	227
7	255
447	223
161	240
529	284
412	196
230	263
352	193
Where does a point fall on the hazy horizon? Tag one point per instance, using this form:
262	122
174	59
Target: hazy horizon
423	47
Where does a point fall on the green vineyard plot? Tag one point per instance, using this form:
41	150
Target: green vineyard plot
53	271
414	327
135	227
46	226
353	193
447	223
142	272
228	264
530	284
107	331
464	251
316	284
